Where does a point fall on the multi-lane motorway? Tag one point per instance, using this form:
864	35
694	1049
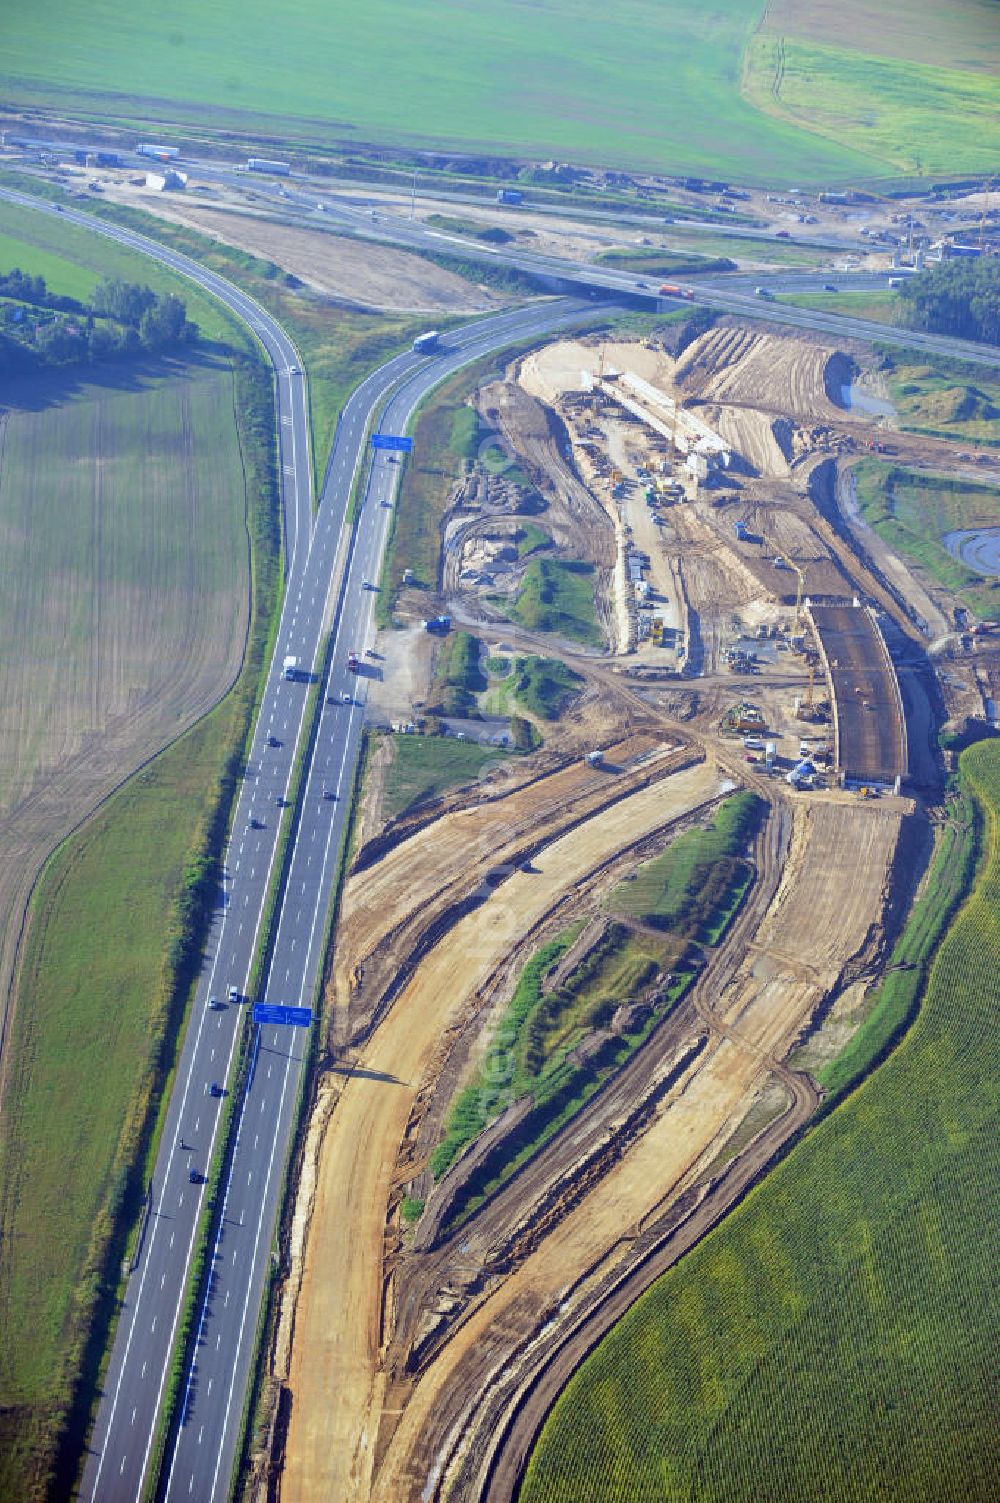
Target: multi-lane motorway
326	563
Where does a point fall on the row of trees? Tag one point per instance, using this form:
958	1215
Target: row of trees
959	297
122	318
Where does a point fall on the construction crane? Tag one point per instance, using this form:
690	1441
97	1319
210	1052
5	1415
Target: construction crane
791	564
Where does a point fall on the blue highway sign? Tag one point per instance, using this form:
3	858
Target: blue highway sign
298	1017
388	441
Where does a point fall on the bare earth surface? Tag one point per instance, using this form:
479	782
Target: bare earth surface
355	271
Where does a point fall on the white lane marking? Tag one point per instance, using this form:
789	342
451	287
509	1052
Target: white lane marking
134	1408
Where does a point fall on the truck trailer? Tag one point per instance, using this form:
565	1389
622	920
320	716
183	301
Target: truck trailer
290	668
158	153
424	343
509	196
262	164
671	289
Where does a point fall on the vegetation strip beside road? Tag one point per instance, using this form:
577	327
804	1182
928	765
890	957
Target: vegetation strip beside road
835	1300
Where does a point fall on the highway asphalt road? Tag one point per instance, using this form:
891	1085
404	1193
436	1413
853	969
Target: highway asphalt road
202	1455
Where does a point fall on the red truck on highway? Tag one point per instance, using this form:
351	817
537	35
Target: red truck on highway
671	289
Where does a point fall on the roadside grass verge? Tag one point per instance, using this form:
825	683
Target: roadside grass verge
945	400
879	307
424	767
118	925
851	1294
558	596
663	263
455	224
535	1049
912	511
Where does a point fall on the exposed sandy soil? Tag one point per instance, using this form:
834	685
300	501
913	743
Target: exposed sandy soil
785	976
386	904
737	365
557	367
355	271
337	1321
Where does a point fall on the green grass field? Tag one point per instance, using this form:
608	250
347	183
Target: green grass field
880	307
917	117
73	260
650	83
558	596
945	400
424	767
835	1337
913	510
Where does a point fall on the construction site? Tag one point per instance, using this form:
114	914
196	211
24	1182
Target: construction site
537	1091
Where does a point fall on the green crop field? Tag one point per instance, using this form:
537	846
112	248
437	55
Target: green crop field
651	83
835	1338
123	509
90	1015
917	117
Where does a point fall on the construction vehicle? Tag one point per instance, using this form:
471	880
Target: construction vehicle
441	624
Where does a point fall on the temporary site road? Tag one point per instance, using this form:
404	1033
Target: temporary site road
319	597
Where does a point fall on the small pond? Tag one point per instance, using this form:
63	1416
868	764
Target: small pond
977	548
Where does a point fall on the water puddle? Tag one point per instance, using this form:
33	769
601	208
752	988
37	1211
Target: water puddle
857	399
977	548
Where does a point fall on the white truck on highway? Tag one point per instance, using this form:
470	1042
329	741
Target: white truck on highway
290	668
